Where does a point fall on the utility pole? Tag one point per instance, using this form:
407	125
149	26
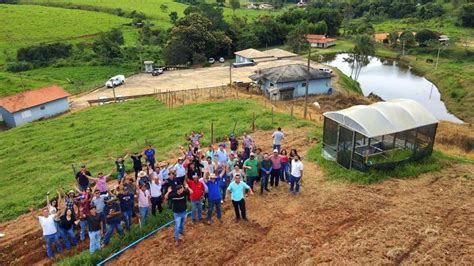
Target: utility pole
307	84
437	58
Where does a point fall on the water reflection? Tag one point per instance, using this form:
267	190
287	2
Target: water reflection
390	80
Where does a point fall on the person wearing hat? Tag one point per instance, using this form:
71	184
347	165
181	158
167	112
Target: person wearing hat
214	196
180	170
68	199
178	200
142	179
198	193
251	169
113	218
236	188
126	198
276	168
96	229
81	178
49	231
266	169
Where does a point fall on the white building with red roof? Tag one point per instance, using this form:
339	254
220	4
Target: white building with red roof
320	41
33	105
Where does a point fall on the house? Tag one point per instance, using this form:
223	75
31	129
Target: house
279	53
33	105
148	66
289	81
320	41
252	55
381	37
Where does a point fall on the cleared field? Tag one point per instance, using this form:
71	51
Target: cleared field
37	157
24	25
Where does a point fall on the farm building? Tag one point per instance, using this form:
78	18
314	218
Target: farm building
252	55
320	41
380	136
279	53
289	81
33	105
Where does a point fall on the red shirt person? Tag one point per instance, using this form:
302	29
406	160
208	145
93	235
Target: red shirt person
198	192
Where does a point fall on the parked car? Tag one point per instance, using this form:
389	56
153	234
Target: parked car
157	71
211	60
327	70
115	81
222	60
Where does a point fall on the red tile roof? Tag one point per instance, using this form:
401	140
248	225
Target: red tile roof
32	98
315	38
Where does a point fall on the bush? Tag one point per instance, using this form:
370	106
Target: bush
44	53
18	66
423	36
466	15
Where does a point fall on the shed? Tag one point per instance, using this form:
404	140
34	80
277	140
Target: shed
252	55
148	66
289	81
279	53
33	105
320	41
381	135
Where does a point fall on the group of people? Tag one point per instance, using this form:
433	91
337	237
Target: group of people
201	177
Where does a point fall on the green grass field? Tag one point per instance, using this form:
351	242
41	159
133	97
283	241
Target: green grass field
24	25
37	157
73	79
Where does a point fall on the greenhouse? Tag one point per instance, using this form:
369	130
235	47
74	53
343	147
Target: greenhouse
380	136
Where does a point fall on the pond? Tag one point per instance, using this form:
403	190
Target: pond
390	80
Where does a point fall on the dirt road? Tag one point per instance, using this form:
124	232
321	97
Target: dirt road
187	79
423	220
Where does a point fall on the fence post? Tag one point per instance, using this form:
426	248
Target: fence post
210	94
253	122
272	116
212	132
292	112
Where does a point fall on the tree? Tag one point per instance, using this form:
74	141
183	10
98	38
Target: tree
364	47
407	39
425	35
466	15
174	17
393	38
319	28
296	38
234	4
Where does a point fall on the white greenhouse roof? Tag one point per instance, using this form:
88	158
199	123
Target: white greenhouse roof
383	118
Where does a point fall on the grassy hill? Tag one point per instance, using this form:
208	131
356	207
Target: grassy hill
24	25
37	157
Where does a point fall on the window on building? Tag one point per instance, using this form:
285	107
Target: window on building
26	114
303	84
42	107
271	85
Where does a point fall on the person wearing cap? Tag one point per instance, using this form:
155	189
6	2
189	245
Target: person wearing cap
266	169
178	200
137	163
113	218
277	136
214	196
251	169
236	188
81	178
69	198
276	168
96	229
144	200
49	231
99	202
296	174
180	170
155	195
126	198
221	153
149	153
198	193
248	145
83	205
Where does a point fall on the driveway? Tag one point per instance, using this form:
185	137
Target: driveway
187	79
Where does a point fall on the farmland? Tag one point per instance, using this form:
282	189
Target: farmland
93	135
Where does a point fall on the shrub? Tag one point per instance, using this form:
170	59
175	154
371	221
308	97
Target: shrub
44	53
18	66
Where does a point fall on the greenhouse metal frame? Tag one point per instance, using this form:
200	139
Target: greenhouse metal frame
380	136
